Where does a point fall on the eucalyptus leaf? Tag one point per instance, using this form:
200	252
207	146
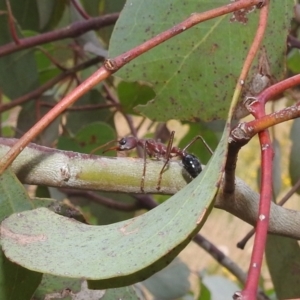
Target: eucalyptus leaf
200	66
117	254
283	257
294	161
13	199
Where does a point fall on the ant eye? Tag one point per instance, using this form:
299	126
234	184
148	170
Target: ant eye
122	141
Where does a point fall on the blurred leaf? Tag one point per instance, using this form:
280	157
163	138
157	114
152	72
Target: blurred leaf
67	143
28	117
89	40
16	282
220	287
204	292
198	148
283	259
88	138
105	215
50	12
121	293
47	70
94	135
294	160
97	8
13	197
26	14
117	254
293	61
276	168
42	192
18	74
8	132
92	7
171	282
200	66
76	120
133	93
53	284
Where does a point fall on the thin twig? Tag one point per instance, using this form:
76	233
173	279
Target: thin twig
99	199
71	31
40	90
242	243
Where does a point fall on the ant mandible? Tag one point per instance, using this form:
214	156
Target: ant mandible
158	150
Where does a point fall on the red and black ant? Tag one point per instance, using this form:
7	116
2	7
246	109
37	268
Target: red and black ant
159	150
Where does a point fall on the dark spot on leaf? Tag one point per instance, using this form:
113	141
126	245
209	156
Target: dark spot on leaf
173	101
93	139
241	15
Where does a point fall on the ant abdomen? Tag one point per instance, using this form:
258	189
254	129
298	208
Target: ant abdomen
192	164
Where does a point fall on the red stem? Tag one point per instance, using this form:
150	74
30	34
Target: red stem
11	24
80	10
278	88
252	282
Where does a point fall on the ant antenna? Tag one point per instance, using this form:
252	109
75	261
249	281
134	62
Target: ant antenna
102	146
194	140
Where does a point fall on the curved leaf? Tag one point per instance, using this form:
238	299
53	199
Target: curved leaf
117	254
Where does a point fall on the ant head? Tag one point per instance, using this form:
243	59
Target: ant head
127	143
122	142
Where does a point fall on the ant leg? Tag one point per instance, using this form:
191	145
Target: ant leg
144	169
194	140
167	157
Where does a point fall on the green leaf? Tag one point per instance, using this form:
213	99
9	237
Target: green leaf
26	14
198	148
97	8
13	197
88	138
104	215
219	287
16	282
117	254
18	73
293	61
53	284
50	12
171	282
200	66
89	42
294	160
27	118
133	93
283	259
121	293
204	292
76	120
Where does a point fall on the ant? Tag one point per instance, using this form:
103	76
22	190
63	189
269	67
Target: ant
158	150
